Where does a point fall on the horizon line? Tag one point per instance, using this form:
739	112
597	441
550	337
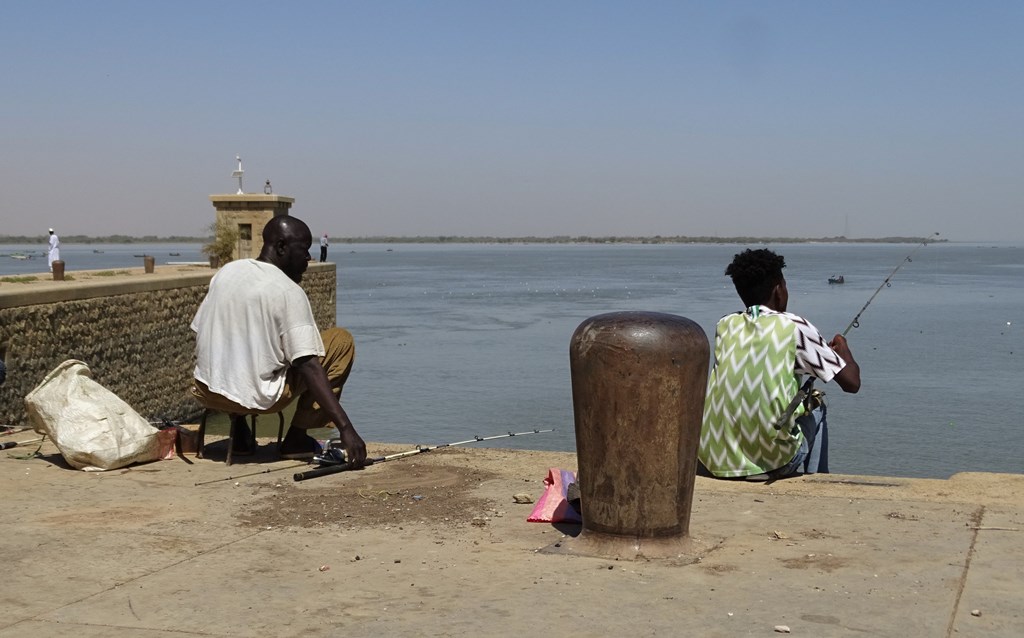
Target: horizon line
443	239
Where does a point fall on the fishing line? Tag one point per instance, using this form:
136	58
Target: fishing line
805	389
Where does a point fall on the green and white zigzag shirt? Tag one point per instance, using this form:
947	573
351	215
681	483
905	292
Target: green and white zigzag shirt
759	357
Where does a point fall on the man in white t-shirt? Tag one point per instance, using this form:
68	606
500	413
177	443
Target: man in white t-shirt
258	347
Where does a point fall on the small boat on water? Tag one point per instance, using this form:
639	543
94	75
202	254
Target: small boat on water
20	256
837	279
97	251
174	254
140	256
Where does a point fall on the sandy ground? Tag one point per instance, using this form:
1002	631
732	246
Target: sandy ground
435	545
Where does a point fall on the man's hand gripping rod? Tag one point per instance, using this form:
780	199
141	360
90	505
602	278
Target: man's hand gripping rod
805	389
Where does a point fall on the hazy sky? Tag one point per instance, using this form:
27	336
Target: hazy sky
812	118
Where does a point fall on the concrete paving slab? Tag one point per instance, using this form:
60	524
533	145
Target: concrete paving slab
146	552
56	630
991	600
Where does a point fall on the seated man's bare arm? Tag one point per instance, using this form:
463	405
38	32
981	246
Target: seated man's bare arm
309	369
849	377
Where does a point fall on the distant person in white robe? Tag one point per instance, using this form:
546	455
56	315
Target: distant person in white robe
54	253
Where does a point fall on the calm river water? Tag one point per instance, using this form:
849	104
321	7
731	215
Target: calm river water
461	340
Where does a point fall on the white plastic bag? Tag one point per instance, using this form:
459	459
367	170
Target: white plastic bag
90	425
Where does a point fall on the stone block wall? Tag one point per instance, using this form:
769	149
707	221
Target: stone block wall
321	285
132	331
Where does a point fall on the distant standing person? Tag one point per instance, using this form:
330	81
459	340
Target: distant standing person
54	253
323	248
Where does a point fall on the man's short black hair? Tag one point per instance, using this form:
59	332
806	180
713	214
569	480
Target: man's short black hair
755	273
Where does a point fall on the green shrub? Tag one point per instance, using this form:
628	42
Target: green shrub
225	238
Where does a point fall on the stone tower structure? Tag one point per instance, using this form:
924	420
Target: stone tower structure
250	212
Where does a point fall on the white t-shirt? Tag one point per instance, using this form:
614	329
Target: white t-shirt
253	323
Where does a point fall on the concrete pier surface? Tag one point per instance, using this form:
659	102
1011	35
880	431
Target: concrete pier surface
435	545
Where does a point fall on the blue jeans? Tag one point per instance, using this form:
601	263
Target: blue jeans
812	457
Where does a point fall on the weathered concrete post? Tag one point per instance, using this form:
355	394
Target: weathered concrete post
638	382
58	270
148	262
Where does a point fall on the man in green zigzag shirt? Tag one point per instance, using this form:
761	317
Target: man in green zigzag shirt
760	355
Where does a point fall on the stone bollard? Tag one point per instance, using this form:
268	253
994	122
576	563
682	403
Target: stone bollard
638	382
149	263
58	270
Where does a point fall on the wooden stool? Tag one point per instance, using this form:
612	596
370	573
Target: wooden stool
201	435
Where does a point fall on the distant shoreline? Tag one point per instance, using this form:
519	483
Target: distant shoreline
454	239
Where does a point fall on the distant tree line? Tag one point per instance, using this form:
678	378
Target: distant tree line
104	239
617	239
456	239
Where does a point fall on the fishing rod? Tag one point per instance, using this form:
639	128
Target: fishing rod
348	466
24	457
11	444
805	389
7	430
266	471
342	466
885	284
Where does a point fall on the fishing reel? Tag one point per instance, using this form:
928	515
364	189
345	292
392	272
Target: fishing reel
332	454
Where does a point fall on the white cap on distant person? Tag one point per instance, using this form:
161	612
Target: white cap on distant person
51	230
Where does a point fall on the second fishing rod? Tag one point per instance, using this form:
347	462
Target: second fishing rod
333	460
808	386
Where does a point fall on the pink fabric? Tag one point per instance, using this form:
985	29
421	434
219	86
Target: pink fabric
553	506
166	437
